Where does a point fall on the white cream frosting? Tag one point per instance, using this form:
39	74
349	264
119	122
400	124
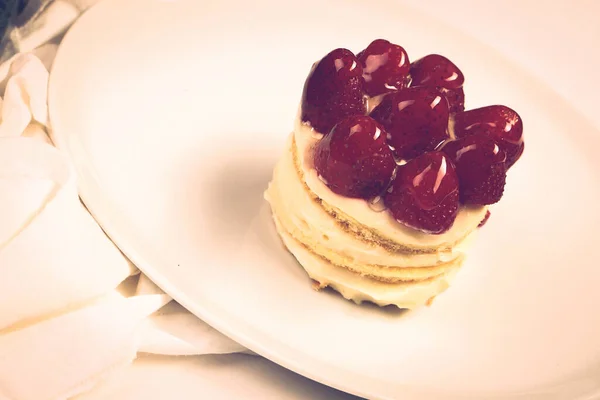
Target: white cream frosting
354	287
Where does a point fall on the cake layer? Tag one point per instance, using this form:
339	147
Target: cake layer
359	288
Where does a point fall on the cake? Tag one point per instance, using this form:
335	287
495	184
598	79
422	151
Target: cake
386	178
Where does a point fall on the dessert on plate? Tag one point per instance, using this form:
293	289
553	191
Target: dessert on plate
385	177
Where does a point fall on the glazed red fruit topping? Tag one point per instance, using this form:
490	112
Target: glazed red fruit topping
354	159
485	219
333	90
416	120
424	194
499	122
385	67
481	168
438	72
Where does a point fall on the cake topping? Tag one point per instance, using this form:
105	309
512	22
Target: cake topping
402	158
481	168
385	67
424	194
354	159
499	122
415	118
436	71
333	90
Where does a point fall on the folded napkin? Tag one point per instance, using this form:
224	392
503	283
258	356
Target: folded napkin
73	310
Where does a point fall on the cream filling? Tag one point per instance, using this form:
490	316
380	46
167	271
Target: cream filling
467	220
358	289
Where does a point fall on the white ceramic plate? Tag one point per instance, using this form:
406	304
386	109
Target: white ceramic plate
174	113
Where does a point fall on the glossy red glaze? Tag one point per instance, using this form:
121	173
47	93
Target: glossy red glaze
437	71
416	120
499	122
333	90
424	194
354	159
385	67
481	168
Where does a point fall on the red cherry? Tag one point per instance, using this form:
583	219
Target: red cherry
499	122
438	72
481	168
333	91
354	159
416	120
385	67
424	194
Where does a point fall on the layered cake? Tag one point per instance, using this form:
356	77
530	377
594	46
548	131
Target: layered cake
385	177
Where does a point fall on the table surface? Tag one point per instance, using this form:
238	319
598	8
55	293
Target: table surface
557	42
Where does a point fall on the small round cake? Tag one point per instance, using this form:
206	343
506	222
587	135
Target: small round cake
386	178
